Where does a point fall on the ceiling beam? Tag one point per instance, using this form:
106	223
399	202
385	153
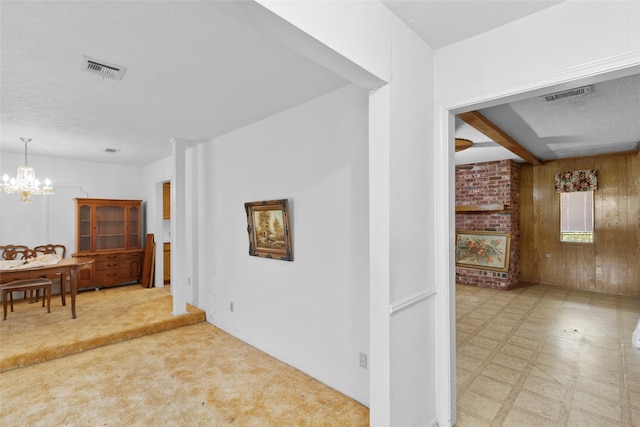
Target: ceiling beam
484	125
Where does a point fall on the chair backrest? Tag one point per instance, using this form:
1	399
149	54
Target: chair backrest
59	250
13	252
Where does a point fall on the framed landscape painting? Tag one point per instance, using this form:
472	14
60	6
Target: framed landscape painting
483	249
269	230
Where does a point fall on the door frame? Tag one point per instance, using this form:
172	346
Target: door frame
444	173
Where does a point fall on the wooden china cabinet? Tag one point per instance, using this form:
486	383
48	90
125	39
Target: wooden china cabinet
108	230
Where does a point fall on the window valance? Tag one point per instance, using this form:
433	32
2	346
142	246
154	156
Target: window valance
580	180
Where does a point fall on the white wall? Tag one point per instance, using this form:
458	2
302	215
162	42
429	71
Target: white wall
566	37
401	156
51	219
360	56
412	330
311	313
400	164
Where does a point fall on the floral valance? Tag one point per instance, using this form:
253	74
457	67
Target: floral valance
581	180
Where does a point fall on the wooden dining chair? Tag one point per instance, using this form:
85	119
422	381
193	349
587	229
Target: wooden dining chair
26	285
14	253
61	251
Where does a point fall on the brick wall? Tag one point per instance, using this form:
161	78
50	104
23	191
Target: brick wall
490	183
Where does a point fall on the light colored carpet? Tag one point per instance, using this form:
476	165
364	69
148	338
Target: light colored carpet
31	335
194	375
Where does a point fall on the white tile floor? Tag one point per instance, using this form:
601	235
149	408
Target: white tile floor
546	356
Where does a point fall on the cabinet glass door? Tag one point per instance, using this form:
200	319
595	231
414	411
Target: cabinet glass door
134	228
110	227
84	229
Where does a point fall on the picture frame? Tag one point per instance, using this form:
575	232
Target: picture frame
487	250
269	229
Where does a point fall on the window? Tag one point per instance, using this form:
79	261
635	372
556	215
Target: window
576	217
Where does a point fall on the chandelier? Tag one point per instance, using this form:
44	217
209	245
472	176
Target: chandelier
25	184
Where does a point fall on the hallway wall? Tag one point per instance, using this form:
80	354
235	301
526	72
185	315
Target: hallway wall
313	312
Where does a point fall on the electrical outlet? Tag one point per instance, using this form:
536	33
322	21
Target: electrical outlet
598	270
231	306
363	360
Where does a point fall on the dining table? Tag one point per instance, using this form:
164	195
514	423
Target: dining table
65	266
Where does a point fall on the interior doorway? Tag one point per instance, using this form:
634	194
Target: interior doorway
166	232
590	74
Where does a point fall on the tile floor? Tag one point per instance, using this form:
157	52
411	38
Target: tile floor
546	356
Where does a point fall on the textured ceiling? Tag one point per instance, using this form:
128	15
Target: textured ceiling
603	121
194	72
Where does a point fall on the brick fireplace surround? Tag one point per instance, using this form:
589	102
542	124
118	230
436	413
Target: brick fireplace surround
491	183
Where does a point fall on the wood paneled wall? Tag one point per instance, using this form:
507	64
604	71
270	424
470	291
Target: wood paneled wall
616	251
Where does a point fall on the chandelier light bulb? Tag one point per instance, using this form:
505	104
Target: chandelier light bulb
25	184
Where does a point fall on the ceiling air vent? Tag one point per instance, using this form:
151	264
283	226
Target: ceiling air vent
104	69
568	93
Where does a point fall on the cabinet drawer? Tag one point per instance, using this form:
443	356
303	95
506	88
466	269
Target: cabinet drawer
110	265
111	276
114	257
114	268
135	256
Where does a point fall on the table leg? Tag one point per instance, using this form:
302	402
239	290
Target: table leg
47	290
4	303
74	290
63	288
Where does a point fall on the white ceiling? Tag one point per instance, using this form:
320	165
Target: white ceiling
195	72
442	23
